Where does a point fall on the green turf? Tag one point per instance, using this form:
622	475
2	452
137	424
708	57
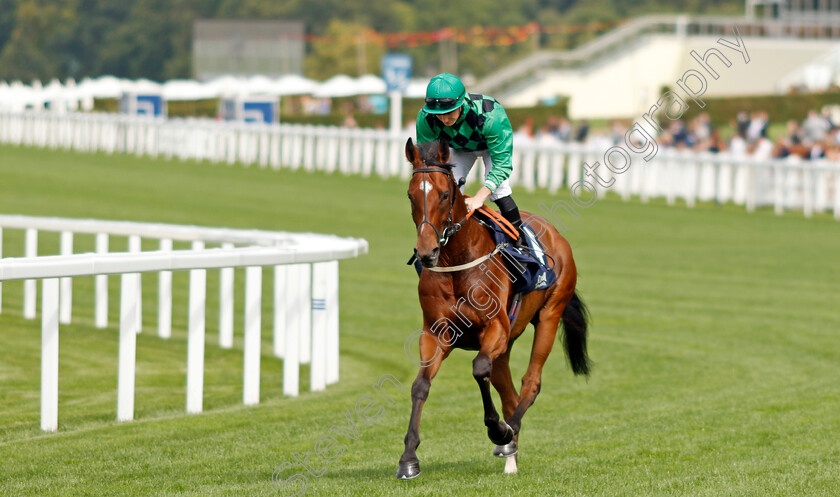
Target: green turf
714	336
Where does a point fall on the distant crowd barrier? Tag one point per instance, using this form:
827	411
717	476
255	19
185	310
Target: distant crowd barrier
792	183
305	300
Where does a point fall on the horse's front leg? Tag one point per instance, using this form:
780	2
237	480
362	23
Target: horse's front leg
432	355
493	344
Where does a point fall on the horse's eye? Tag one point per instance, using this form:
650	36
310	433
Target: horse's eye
444	196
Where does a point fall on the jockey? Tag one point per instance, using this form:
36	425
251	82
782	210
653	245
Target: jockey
475	126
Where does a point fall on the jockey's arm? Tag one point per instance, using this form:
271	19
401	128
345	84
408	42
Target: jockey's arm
499	137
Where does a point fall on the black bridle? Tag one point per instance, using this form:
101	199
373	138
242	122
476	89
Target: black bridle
449	229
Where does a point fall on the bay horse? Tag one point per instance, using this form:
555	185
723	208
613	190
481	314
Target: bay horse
463	276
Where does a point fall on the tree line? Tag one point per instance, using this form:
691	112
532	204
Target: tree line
44	39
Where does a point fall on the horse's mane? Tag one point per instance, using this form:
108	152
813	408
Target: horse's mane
429	155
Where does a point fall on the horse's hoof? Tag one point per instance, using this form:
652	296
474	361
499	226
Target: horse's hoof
408	470
506	450
505	439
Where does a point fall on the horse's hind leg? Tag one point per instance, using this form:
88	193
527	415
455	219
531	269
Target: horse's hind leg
501	380
544	336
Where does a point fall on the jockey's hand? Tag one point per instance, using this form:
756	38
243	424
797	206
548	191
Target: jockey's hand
476	202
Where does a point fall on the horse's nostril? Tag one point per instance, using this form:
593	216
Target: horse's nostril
435	251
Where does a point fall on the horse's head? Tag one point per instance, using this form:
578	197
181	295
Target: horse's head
433	193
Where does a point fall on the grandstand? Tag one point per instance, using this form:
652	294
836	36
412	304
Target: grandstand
789	45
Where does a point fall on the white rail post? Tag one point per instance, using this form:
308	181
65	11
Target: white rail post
101	308
128	347
837	195
778	191
195	337
279	338
305	301
692	183
134	245
1	256
291	359
808	190
226	304
165	295
751	175
252	335
318	368
30	287
669	167
66	302
49	355
332	322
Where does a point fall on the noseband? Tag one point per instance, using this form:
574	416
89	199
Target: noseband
450	228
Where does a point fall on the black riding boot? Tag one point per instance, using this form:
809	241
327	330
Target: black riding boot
510	212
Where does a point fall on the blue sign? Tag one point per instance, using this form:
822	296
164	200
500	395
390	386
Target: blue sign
150	105
250	110
143	105
259	111
396	71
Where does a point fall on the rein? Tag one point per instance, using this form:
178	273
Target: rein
450	229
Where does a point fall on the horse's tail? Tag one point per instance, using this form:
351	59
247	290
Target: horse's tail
575	322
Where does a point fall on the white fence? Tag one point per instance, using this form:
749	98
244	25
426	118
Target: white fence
305	300
812	186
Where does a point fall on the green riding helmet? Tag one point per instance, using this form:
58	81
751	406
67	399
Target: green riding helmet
444	94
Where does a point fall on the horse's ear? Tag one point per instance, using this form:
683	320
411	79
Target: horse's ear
411	152
443	151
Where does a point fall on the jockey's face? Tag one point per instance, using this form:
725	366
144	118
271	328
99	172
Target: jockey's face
449	118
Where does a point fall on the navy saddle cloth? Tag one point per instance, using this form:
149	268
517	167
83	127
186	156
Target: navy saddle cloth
531	266
529	269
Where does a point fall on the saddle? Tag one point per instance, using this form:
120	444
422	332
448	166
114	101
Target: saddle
529	267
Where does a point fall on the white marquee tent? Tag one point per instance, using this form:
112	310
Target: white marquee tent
70	96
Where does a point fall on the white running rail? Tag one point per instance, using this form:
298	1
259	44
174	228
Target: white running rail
305	321
806	185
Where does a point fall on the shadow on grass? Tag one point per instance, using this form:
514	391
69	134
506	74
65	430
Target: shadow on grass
430	470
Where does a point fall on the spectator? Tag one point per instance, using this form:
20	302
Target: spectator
703	127
680	135
564	131
526	131
832	145
617	132
738	144
552	126
762	149
742	123
791	143
814	128
826	114
757	127
716	142
582	131
349	121
547	135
